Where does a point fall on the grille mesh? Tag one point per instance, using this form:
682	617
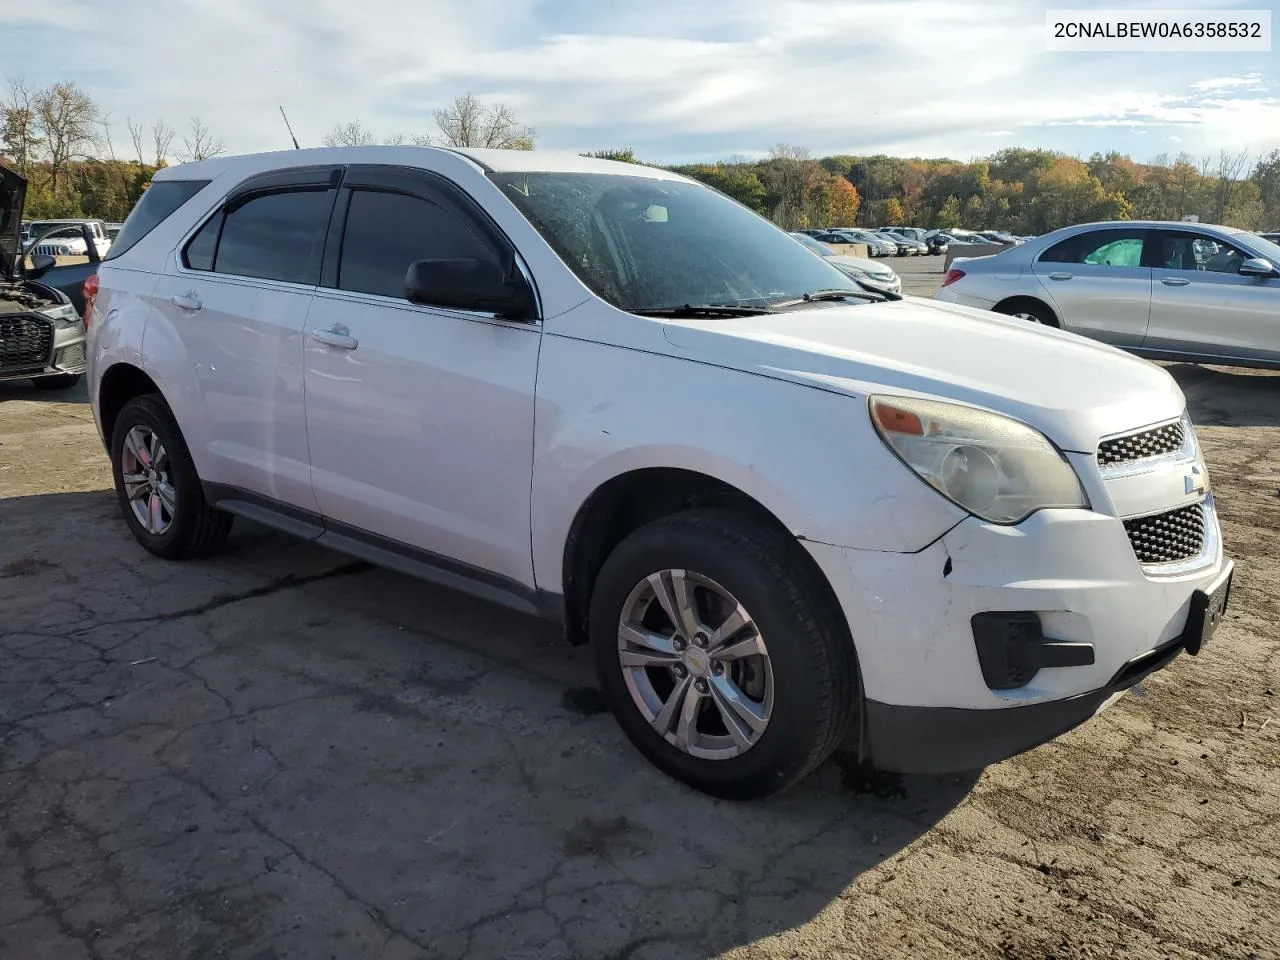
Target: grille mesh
1139	446
25	343
1167	537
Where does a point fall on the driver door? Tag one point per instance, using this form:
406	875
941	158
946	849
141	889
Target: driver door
419	418
1201	304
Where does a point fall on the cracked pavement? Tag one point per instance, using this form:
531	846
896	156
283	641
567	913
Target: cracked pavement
279	752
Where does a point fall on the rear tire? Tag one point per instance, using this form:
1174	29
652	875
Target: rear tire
1033	311
804	684
58	381
157	485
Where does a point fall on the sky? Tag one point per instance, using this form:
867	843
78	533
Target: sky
676	80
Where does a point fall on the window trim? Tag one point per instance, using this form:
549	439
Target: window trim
429	187
270	181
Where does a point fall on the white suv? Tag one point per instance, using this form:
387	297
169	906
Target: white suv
783	508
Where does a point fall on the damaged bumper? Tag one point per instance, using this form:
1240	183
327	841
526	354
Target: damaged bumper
995	639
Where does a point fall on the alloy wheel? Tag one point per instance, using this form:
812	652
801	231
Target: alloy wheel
695	664
144	468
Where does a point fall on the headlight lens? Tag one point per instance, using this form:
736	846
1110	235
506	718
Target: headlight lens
995	467
65	313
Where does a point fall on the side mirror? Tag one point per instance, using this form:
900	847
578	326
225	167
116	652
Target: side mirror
468	284
1257	267
40	265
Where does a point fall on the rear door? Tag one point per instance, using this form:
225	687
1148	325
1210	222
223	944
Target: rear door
420	418
1097	284
1201	304
234	313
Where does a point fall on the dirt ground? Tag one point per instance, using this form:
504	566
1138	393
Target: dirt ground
282	753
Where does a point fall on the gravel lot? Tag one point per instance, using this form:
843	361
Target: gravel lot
282	753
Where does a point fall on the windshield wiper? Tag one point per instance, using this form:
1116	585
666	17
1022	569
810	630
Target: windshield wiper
867	293
701	310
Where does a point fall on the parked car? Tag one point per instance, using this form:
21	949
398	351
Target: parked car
1164	290
902	246
783	510
55	237
913	233
876	246
1272	237
938	243
997	236
41	338
867	271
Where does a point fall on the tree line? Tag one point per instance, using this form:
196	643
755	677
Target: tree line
62	142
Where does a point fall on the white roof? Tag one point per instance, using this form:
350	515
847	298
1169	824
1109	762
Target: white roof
428	157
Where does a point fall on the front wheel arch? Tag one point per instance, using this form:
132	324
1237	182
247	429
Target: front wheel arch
1037	308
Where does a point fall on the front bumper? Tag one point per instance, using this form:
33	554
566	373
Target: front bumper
928	705
66	354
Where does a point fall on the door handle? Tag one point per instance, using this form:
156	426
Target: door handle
1061	276
186	301
336	336
1174	281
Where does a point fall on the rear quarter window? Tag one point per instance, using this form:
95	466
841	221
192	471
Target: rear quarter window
155	206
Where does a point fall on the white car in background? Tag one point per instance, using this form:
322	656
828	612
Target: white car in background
1163	290
877	275
785	511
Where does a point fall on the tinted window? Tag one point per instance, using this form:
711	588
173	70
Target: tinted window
200	249
1111	248
388	231
275	236
157	203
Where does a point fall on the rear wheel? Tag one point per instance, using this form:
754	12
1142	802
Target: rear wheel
157	484
721	653
58	381
1032	311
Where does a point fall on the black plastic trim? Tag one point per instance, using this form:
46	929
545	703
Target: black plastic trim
934	740
385	552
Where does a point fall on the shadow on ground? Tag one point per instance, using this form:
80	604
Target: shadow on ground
279	752
1229	396
27	390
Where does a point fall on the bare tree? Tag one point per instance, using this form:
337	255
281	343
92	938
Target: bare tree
161	140
20	134
135	135
69	121
202	144
353	133
469	123
1231	169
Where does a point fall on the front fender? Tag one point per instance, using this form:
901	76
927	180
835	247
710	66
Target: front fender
809	456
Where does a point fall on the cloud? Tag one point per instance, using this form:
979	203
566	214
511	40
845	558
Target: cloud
673	79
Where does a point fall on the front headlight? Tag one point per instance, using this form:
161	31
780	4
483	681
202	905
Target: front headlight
995	467
65	313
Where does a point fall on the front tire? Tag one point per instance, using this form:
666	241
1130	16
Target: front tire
722	654
157	485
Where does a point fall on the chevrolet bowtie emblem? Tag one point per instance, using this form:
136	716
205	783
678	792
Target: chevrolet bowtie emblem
1195	481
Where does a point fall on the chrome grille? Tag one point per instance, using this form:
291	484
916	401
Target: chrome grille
25	343
1168	537
1140	446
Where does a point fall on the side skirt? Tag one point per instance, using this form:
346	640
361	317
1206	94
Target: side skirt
385	552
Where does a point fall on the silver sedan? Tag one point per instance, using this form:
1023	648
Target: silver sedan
1163	290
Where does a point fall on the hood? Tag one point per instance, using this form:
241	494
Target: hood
13	194
1072	389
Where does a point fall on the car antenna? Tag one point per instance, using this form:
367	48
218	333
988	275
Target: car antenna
290	129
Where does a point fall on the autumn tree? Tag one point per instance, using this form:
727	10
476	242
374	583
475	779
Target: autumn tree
842	204
467	122
894	214
20	135
948	214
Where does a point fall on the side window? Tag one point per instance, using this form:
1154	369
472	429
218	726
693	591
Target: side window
1103	248
386	232
201	247
1191	251
275	236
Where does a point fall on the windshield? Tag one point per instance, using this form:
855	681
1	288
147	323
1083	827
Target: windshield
646	244
1264	246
